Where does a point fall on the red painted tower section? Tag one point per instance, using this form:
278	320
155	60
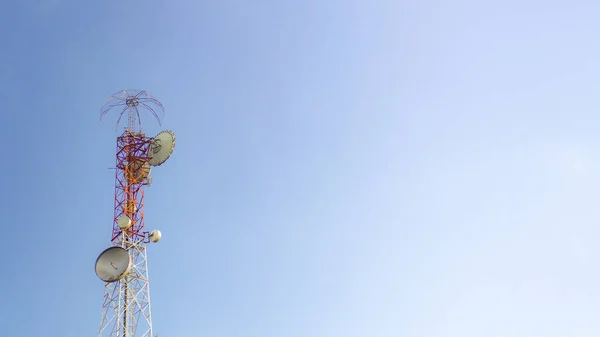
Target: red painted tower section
131	177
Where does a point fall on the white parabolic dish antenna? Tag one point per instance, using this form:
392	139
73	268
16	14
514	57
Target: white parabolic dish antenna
155	236
113	264
124	222
161	148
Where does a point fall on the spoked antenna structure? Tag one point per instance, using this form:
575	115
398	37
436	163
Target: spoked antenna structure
131	102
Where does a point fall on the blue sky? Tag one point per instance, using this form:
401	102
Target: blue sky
343	168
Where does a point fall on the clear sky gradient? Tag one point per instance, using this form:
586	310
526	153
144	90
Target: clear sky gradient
378	168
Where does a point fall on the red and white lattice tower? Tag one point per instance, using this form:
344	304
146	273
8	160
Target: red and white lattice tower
123	266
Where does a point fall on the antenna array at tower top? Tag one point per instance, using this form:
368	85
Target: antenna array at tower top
132	101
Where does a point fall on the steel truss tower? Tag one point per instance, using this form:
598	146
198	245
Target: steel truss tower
126	305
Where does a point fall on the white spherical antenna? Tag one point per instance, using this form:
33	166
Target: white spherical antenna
161	148
155	236
124	222
113	264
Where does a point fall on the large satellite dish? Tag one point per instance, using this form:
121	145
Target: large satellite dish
113	264
161	148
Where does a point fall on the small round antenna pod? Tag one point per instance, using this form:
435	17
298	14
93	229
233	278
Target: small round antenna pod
124	222
161	148
113	264
155	236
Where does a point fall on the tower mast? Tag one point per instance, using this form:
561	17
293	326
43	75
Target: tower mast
126	310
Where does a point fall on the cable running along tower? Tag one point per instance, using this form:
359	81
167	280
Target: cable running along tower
123	266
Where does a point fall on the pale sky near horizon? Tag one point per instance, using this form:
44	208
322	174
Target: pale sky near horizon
343	168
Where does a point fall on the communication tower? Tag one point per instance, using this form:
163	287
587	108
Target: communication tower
124	265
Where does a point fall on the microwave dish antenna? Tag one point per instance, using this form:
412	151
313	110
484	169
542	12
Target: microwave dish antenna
113	264
161	148
131	102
